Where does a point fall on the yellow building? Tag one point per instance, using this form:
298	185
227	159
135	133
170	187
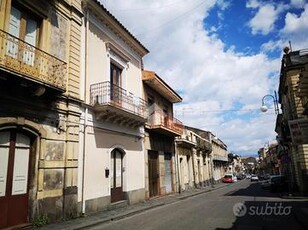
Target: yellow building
292	124
219	156
39	112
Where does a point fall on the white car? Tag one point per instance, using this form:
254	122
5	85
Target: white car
254	178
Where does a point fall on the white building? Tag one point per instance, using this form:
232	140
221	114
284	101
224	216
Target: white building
111	165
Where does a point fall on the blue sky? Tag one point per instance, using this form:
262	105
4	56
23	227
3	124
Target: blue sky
221	56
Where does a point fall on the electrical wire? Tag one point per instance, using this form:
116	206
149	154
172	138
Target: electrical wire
172	20
148	8
191	110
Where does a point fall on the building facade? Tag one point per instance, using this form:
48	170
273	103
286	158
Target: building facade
291	124
39	113
111	158
235	165
161	129
193	157
268	160
219	157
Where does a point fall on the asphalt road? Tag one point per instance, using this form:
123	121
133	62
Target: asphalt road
242	205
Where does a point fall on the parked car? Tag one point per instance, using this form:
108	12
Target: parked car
265	184
263	177
228	178
248	176
254	178
240	176
278	183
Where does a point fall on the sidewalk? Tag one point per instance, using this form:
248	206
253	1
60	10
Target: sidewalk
129	210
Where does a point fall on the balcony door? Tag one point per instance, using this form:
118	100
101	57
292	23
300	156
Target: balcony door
116	83
23	27
14	175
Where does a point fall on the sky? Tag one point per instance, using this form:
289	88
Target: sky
222	57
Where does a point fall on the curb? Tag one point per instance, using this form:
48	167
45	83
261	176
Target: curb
118	217
91	221
124	215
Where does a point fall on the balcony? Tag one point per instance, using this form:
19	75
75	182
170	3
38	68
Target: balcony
203	145
303	90
185	142
114	104
29	62
217	157
163	123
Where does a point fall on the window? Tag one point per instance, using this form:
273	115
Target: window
115	83
115	75
150	101
23	26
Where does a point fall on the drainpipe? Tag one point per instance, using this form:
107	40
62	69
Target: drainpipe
83	209
211	160
193	167
83	201
177	167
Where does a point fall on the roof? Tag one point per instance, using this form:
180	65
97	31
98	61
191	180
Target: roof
155	82
121	26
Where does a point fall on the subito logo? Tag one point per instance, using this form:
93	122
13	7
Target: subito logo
239	209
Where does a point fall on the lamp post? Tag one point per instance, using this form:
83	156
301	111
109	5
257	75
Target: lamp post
264	108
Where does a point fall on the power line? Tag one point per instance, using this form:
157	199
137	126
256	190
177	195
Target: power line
172	20
148	8
191	110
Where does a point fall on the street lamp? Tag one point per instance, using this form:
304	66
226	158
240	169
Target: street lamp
264	108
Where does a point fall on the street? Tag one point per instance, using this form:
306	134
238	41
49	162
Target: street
241	205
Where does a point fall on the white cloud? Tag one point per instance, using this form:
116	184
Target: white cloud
210	78
297	3
296	29
253	4
296	23
264	20
222	4
272	46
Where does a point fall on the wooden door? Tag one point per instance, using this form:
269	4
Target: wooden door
116	176
14	174
153	173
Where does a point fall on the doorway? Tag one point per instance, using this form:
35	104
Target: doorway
116	176
15	158
168	172
153	173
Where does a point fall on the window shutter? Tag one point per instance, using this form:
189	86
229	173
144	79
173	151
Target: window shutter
30	38
14	27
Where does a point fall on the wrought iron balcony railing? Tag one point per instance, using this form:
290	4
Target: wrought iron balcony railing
203	145
217	157
157	117
22	58
105	93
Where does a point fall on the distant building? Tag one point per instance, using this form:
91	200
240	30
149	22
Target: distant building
194	164
249	164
